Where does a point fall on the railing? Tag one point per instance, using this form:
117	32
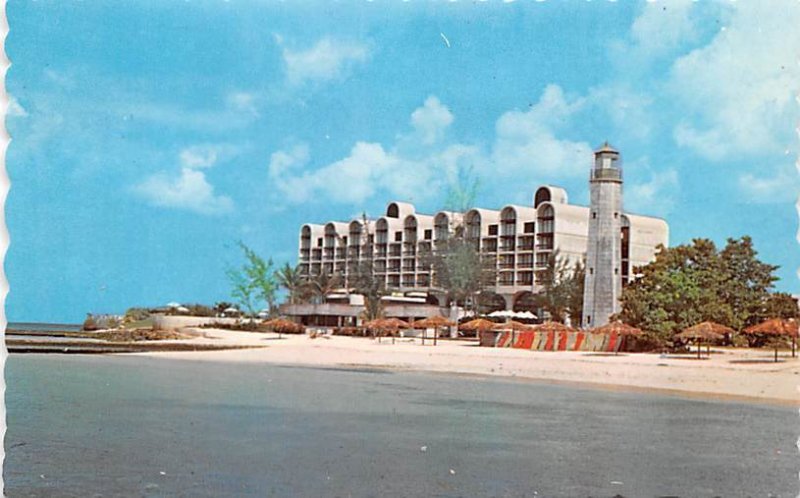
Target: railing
614	174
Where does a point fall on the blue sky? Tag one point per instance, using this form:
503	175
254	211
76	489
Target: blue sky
149	137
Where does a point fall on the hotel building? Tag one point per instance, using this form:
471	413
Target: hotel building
516	239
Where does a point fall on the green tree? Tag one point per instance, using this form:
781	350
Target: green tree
461	272
363	280
254	281
691	283
290	278
323	284
748	284
561	295
781	305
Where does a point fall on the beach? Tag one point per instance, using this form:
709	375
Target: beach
737	374
130	425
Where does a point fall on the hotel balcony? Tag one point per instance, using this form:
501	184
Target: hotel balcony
507	245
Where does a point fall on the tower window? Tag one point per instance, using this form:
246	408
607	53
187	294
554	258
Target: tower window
616	271
492	229
588	319
591	271
616	215
398	236
594	214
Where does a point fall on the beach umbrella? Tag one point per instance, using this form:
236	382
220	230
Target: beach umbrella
705	331
777	327
396	324
511	325
527	315
618	328
433	322
173	304
549	326
477	325
387	324
230	310
182	309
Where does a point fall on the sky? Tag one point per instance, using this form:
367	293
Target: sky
149	137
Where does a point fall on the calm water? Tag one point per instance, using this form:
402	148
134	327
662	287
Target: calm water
128	426
43	327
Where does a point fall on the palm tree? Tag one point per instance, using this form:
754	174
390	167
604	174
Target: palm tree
323	284
290	278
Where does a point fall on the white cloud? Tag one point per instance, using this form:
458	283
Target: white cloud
243	101
661	28
654	195
431	120
736	92
782	186
198	157
526	142
628	108
328	59
206	155
190	191
526	147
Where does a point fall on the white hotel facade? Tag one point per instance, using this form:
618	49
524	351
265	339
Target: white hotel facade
517	239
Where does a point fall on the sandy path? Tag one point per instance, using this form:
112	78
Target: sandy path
744	374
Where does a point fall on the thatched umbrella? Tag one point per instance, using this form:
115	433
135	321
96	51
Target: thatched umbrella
511	325
704	331
777	327
477	325
549	326
434	322
387	324
619	328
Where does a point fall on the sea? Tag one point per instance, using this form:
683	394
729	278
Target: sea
42	327
142	426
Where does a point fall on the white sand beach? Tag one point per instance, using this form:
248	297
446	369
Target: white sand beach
747	374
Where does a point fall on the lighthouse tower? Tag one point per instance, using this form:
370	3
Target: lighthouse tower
603	284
